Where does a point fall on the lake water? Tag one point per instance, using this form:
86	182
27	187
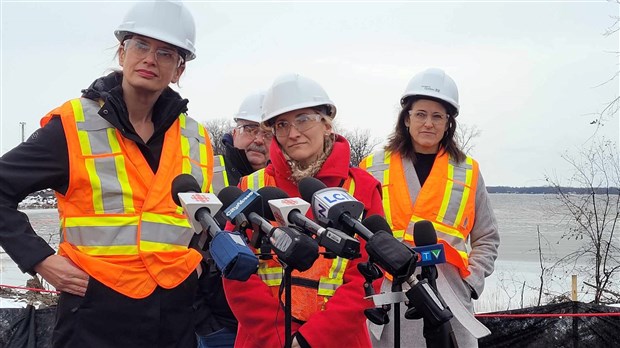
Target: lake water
519	216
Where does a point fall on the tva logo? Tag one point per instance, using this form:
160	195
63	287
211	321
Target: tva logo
430	255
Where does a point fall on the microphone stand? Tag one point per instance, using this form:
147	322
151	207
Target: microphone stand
288	300
437	335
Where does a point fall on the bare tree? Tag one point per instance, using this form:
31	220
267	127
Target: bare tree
361	144
465	134
594	216
217	128
611	108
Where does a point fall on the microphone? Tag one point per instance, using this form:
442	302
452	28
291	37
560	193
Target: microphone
291	211
334	207
429	251
394	257
230	253
199	207
238	204
424	299
293	248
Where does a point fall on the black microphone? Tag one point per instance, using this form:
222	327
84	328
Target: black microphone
238	204
291	211
424	298
388	252
293	248
230	253
334	207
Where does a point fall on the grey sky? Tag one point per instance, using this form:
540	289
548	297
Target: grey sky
526	71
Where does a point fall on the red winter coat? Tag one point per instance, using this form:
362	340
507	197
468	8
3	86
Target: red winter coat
342	323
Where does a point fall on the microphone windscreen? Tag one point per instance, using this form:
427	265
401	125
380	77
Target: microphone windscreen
228	195
308	186
268	193
183	183
376	223
424	233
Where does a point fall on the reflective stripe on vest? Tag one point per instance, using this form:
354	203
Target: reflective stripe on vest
220	177
115	229
378	165
450	223
272	276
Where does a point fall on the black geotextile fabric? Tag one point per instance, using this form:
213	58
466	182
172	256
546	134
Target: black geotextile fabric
580	332
26	327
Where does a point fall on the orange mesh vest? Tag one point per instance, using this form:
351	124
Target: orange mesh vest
118	221
447	199
312	288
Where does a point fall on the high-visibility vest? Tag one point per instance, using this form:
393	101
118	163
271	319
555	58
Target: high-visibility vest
447	199
319	282
118	220
220	176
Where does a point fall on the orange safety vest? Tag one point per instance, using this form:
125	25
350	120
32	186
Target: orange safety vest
319	282
118	220
447	199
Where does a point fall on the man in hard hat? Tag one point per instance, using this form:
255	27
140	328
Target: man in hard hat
247	146
247	150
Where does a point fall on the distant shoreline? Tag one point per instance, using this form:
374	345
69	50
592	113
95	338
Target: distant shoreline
551	190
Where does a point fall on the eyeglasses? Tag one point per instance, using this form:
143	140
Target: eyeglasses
163	56
302	123
421	116
254	131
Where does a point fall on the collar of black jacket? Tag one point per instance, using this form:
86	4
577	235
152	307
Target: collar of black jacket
109	89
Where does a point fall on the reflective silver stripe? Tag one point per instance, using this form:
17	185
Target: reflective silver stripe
191	132
455	242
96	127
164	233
111	191
254	179
106	171
218	181
328	286
270	276
102	235
338	262
411	179
378	166
459	176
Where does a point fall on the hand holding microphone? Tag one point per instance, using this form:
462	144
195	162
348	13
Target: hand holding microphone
230	253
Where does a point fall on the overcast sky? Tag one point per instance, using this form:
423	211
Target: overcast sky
527	72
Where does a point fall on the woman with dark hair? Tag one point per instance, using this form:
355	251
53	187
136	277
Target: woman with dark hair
426	176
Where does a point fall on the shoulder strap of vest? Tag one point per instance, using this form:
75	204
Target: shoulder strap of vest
220	176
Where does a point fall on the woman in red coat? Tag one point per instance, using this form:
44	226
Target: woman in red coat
300	114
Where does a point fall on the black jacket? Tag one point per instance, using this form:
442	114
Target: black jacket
236	162
43	162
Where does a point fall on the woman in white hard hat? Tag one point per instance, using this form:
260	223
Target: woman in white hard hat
126	274
427	177
328	299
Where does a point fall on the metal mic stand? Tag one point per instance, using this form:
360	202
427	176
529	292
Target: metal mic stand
288	316
425	302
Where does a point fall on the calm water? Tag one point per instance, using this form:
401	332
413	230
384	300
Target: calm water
519	216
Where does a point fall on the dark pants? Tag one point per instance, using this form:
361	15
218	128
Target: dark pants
105	318
223	338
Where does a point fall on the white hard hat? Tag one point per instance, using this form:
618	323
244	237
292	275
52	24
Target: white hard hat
433	83
163	20
251	108
292	92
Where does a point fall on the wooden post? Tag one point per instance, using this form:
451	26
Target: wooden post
574	288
